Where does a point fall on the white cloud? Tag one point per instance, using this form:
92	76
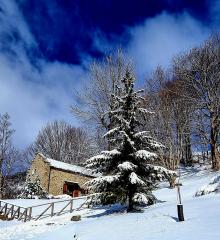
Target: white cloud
32	96
158	39
11	19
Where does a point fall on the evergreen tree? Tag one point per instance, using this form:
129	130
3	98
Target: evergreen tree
129	173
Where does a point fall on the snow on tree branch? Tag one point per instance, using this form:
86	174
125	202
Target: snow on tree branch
146	155
134	179
127	166
145	111
111	132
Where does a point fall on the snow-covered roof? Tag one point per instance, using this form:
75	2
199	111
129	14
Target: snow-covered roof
68	167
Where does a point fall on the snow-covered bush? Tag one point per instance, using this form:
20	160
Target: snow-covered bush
143	199
212	186
62	196
32	189
129	171
13	185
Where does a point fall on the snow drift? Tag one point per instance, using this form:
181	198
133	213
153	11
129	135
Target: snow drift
211	187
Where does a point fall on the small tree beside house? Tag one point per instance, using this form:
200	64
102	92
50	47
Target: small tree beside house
32	189
128	171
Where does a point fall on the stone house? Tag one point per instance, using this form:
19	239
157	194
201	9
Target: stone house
57	177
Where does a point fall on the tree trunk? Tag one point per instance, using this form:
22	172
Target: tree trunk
130	201
180	146
188	150
172	182
1	186
1	178
215	156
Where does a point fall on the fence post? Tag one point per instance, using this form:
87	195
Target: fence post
71	205
6	207
25	216
30	212
12	210
18	212
52	209
1	208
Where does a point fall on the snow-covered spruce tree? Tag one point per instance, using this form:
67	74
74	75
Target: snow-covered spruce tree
32	189
128	171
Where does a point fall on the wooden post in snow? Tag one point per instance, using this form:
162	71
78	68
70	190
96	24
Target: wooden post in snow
52	210
179	204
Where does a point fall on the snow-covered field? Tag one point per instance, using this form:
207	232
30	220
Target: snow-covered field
202	218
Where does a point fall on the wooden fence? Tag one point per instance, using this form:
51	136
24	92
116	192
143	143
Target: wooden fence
40	211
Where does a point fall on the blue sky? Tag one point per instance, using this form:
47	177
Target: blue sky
46	47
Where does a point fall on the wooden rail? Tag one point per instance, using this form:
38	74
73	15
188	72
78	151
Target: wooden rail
12	211
51	209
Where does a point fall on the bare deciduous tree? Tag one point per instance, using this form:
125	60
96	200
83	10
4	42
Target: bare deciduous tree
200	69
5	146
173	112
95	102
61	141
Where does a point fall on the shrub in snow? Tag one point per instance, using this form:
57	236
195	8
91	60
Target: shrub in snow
129	173
212	186
13	185
32	189
143	199
62	196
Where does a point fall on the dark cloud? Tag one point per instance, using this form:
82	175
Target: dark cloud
64	29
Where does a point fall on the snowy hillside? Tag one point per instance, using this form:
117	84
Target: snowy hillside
159	221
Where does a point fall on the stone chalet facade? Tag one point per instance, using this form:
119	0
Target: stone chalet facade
57	177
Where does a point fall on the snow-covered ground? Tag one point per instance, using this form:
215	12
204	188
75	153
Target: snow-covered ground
202	218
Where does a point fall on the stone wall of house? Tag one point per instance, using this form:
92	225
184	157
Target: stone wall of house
58	177
40	169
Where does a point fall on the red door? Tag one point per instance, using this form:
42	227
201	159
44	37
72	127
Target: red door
76	193
64	188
